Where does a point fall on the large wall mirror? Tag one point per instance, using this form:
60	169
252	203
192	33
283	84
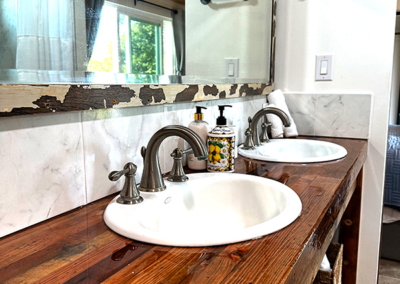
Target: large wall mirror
134	41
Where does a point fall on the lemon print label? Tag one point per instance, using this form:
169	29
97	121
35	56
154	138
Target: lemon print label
221	154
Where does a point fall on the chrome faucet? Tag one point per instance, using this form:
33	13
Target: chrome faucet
272	110
152	180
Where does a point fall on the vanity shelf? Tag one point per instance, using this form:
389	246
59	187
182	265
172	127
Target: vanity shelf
77	247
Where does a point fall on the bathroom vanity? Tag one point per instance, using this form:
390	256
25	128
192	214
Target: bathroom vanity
77	247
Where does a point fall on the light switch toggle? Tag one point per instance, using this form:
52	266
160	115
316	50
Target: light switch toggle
232	67
231	71
324	67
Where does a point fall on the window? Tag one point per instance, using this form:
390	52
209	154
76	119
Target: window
134	42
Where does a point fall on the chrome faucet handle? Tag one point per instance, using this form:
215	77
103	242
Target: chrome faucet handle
248	144
264	130
129	193
177	173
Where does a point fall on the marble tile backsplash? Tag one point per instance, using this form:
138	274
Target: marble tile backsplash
114	137
51	164
331	115
42	169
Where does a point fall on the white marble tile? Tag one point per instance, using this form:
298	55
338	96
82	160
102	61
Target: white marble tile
302	110
113	137
250	107
342	115
42	171
180	114
183	114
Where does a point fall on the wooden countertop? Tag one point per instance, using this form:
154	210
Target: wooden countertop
77	247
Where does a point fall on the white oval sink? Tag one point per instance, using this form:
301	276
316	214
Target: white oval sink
209	209
295	151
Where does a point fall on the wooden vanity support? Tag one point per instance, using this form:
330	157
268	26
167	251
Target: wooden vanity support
77	247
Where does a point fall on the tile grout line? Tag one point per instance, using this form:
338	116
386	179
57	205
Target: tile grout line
315	98
84	158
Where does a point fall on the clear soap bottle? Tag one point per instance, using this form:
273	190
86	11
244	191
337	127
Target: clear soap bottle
201	127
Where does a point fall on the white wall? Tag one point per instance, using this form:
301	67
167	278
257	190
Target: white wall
214	32
360	35
394	98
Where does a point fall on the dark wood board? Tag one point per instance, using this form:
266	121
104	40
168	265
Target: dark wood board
77	247
16	100
349	234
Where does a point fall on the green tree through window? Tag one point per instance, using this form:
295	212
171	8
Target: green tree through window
144	48
133	42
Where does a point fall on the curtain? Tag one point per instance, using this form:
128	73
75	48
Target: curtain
8	33
93	16
178	22
45	38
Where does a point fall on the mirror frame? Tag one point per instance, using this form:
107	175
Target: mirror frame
16	100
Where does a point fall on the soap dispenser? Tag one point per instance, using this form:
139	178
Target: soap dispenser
201	127
221	146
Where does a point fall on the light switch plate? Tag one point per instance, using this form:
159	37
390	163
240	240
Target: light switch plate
319	73
232	67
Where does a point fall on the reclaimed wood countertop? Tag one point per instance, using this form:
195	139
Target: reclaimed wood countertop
77	247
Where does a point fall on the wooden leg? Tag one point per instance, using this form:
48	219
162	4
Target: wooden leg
349	234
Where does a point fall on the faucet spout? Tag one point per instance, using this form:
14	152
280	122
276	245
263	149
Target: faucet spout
271	110
152	180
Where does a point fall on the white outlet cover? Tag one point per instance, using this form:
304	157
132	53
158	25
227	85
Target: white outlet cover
329	74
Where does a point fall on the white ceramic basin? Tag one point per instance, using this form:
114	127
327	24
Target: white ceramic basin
295	151
209	209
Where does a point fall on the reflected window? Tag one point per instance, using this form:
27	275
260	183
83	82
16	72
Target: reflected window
133	42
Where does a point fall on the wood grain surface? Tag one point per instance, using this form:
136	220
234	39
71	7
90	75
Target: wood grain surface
77	247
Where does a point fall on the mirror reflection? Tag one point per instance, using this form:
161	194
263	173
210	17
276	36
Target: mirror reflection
135	41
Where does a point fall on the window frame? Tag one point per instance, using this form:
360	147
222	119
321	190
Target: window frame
146	17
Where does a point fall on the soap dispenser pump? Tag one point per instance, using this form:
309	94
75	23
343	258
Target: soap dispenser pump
221	120
221	145
201	127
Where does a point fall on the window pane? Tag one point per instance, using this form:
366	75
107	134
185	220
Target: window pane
145	47
168	49
123	40
128	43
105	52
